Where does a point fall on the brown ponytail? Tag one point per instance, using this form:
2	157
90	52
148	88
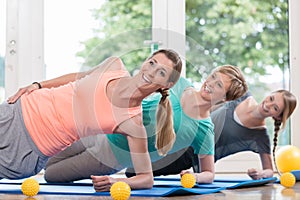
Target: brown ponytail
165	135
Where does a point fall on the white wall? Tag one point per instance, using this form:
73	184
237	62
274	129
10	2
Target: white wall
294	7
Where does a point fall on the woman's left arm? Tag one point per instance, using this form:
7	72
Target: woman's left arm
207	173
266	172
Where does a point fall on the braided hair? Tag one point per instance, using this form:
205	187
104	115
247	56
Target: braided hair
290	103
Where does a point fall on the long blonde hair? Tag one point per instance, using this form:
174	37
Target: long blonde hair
290	103
165	135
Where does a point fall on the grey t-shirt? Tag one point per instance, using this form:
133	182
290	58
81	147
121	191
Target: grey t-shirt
227	141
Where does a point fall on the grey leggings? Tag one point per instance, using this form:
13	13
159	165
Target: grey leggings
77	162
19	156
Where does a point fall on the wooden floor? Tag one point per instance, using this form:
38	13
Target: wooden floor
267	192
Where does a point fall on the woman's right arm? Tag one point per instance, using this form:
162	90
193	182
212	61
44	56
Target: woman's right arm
44	84
109	63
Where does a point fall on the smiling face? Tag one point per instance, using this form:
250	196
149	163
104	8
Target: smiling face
155	72
272	105
215	87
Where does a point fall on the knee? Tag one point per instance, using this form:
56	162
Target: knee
48	176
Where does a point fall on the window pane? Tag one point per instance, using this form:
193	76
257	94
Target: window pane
67	24
251	34
81	36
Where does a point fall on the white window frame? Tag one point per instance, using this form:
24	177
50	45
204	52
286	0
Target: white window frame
168	24
24	57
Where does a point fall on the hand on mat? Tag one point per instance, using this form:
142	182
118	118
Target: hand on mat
102	183
259	174
185	172
204	177
21	91
254	173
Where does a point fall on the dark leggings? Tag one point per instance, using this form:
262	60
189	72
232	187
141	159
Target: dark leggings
173	163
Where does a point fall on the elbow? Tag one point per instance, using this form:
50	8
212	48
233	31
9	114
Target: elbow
268	173
271	174
149	182
211	177
205	177
210	180
142	181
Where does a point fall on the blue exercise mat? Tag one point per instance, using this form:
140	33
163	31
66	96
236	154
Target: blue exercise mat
227	184
41	180
89	190
296	174
166	187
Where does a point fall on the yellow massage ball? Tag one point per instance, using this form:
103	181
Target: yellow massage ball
188	180
287	179
120	191
30	187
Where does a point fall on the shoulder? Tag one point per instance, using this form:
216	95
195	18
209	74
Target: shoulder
184	81
247	103
111	64
206	125
133	127
181	85
114	63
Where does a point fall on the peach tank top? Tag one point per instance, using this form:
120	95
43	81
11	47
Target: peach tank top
57	117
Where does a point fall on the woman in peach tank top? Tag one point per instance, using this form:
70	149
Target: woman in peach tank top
55	113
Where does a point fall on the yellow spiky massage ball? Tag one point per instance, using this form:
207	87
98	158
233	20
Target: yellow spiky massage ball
287	179
120	191
188	180
30	187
